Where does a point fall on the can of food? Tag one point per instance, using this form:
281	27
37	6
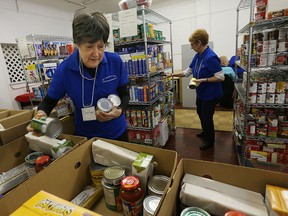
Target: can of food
51	127
115	99
194	211
234	213
280	98
42	162
30	163
104	105
252	97
157	185
96	173
111	183
150	205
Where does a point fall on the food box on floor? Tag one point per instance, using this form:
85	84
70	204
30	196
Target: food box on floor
15	125
46	203
14	153
243	177
69	175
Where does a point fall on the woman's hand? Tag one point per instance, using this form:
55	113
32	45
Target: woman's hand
108	116
198	81
38	115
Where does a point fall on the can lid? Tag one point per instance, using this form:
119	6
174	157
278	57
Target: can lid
115	99
157	184
234	213
42	160
130	182
53	128
151	203
194	211
104	104
113	173
31	158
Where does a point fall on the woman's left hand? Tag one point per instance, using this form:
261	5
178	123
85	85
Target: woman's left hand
198	81
108	116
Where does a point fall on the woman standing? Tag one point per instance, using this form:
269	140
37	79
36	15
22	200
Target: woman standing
87	75
206	69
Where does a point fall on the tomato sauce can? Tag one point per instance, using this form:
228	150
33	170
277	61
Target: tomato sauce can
111	186
150	205
132	196
51	127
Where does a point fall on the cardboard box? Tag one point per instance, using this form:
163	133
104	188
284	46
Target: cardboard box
9	113
244	177
14	153
15	125
46	203
73	169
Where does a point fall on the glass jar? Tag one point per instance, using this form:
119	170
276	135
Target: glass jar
41	162
132	196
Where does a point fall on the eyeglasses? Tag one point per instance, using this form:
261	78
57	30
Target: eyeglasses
192	43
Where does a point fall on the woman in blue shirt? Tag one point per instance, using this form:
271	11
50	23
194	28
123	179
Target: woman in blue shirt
206	69
87	75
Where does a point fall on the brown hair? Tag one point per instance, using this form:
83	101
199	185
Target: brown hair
199	35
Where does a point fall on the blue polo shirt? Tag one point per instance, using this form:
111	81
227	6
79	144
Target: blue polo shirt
110	75
205	66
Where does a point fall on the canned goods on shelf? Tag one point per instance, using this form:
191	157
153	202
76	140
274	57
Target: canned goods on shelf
115	99
157	185
194	211
104	105
150	205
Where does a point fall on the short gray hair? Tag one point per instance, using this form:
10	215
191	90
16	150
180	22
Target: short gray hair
90	27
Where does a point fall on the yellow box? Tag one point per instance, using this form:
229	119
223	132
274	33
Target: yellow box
44	203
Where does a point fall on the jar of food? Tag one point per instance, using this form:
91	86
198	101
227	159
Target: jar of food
132	196
234	213
42	162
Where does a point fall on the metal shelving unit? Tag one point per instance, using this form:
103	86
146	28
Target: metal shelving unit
240	125
145	16
32	44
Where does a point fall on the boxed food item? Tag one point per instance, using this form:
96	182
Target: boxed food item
73	169
49	204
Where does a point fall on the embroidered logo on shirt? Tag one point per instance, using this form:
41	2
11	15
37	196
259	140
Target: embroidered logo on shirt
109	78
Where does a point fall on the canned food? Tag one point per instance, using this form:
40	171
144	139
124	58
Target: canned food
96	173
150	205
51	127
116	101
114	174
194	211
104	105
111	187
157	185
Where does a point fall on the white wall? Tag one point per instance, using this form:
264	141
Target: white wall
218	17
28	19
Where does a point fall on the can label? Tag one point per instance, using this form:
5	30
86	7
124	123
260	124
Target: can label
112	196
37	123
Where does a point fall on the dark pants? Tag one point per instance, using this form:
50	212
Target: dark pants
205	111
123	137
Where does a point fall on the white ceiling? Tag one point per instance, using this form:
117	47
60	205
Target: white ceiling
106	6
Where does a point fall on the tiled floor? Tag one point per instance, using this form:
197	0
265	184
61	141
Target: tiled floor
186	143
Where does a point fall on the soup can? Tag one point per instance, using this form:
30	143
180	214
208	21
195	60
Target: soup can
111	183
104	105
115	99
150	205
51	127
194	211
157	185
96	173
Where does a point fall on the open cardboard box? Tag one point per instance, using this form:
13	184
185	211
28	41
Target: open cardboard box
244	177
9	113
14	153
69	175
15	125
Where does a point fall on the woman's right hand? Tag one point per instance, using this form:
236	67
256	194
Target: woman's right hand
39	114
